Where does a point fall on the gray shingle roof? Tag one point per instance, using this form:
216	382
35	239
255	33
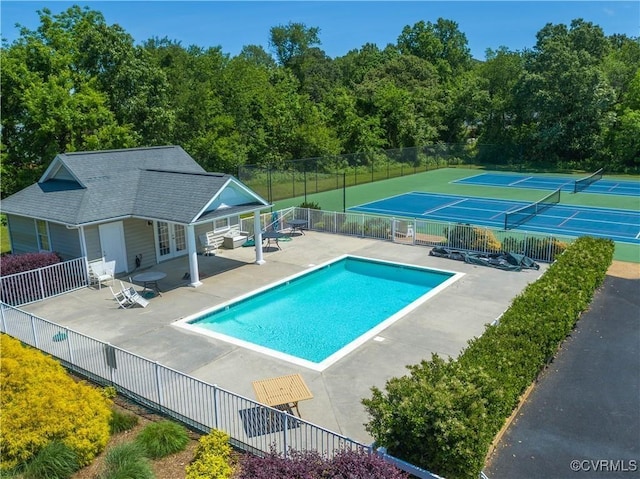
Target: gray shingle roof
163	183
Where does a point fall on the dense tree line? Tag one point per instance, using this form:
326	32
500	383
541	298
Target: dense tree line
76	83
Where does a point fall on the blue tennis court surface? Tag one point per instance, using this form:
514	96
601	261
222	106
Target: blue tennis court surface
601	187
567	220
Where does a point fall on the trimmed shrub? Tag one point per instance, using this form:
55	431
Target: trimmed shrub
361	465
19	263
328	222
126	461
211	459
442	409
351	227
377	228
547	248
55	461
121	422
29	286
311	465
444	415
40	403
310	205
209	466
474	238
159	439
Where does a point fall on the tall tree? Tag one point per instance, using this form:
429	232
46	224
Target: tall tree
292	40
356	132
405	93
257	55
137	89
564	98
499	75
621	63
355	65
442	44
50	103
623	138
203	124
316	72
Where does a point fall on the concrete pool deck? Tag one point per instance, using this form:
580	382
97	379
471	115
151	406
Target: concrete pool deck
443	324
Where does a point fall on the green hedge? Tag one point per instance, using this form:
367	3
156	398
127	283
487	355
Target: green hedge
444	414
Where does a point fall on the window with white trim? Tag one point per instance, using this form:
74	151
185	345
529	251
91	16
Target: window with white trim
42	230
221	224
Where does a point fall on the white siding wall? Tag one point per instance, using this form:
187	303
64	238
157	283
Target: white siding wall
92	237
64	241
138	236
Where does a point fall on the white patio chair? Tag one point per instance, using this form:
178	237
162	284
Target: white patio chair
121	298
133	296
102	271
210	243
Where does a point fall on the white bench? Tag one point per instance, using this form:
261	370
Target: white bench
210	243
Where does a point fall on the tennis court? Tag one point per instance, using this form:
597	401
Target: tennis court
617	224
588	184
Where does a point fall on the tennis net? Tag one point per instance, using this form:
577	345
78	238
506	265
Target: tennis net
524	214
583	183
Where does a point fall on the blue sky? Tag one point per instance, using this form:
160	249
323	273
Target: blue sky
343	25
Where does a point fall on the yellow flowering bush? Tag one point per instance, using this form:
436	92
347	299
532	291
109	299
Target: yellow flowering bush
211	460
40	403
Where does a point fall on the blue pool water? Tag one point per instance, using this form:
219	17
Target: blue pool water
316	314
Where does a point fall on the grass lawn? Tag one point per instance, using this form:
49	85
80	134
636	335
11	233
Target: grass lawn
5	244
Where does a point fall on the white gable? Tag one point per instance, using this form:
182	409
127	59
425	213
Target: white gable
231	195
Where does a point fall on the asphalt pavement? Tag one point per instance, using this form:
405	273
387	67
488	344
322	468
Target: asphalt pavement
582	419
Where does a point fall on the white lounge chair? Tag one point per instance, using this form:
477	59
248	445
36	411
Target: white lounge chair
133	296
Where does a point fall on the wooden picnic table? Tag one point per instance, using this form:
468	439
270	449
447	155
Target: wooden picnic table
282	391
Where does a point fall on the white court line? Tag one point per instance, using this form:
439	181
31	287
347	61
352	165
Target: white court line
613	187
638	236
520	181
569	218
459	180
428	212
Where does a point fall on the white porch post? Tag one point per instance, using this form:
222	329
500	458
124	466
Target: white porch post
83	241
193	257
83	252
257	238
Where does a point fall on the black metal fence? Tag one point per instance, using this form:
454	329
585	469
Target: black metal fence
314	175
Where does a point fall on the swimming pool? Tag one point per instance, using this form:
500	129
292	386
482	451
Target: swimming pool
317	317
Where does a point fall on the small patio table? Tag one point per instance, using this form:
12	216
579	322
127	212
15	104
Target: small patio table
282	391
297	225
272	235
150	280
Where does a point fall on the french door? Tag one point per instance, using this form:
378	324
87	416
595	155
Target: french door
171	240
